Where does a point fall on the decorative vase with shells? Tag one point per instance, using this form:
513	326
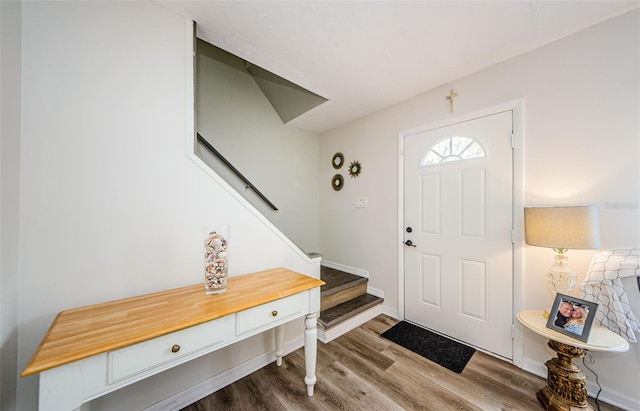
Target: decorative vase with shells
216	264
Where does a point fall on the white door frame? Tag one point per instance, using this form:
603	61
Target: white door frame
518	208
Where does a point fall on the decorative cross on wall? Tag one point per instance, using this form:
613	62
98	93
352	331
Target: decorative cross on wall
450	97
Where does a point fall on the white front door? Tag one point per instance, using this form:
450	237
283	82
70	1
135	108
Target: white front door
458	214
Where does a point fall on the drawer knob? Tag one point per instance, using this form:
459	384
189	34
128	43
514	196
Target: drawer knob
274	313
175	348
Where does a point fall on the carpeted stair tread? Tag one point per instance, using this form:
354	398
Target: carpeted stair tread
334	316
336	280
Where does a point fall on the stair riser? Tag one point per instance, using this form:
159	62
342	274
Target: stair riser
343	296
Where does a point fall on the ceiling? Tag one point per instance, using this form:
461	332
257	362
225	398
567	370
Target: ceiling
367	55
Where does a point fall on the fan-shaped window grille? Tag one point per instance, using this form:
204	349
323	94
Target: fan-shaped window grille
454	148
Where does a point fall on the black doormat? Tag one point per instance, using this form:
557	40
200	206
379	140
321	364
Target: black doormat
441	350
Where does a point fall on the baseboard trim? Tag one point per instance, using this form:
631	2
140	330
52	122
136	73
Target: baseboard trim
535	368
190	395
345	268
607	395
375	291
391	313
354	322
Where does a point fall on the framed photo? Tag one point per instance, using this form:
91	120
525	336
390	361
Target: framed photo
572	316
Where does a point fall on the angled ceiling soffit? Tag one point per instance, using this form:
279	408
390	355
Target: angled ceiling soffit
289	100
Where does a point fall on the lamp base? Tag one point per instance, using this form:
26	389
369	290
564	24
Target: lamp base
561	277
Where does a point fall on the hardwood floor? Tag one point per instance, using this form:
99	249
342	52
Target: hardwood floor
362	371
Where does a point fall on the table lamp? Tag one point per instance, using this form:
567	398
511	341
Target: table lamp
562	228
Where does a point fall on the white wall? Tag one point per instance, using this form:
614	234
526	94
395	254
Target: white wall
280	160
581	128
10	19
111	204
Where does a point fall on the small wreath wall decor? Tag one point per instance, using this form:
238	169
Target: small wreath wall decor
355	169
337	182
337	161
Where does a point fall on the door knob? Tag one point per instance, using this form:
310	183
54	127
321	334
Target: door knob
409	243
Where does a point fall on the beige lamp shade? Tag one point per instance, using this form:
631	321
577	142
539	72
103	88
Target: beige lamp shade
576	227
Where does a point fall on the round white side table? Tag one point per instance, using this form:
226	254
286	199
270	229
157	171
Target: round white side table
566	384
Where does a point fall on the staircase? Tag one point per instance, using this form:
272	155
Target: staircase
344	303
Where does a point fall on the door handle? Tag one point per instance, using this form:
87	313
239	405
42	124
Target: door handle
409	243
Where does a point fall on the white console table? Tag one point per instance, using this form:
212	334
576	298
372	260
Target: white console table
93	350
566	388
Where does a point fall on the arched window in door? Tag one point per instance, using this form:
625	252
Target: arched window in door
454	148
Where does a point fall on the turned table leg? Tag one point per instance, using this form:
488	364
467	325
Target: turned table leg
310	350
279	337
566	384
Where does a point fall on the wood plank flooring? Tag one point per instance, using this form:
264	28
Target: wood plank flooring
362	371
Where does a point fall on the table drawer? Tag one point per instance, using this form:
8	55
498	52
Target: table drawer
146	355
269	314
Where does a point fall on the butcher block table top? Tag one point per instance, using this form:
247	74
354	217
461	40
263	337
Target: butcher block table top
83	332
